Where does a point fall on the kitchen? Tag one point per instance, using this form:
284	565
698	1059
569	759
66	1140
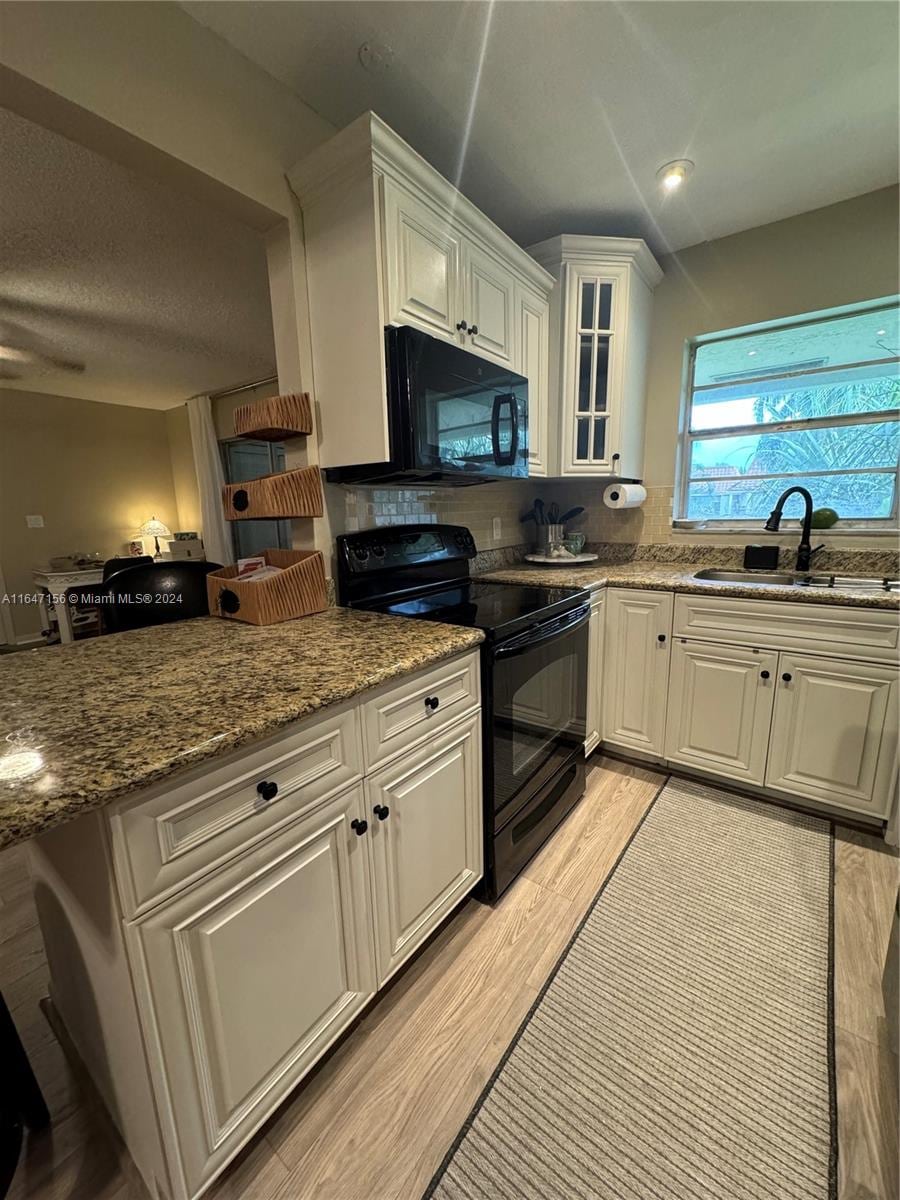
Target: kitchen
331	902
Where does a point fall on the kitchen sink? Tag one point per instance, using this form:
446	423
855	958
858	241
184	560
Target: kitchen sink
717	576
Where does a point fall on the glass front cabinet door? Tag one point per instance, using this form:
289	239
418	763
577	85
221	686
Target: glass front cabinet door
590	421
600	322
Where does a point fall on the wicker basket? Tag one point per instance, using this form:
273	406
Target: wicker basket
275	418
298	591
295	493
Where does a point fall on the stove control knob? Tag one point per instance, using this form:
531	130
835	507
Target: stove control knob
361	552
378	551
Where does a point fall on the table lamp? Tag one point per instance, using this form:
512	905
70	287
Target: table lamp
155	529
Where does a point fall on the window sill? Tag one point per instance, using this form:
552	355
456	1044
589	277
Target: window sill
787	527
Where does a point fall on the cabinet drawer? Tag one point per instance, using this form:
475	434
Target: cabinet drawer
167	836
786	625
402	715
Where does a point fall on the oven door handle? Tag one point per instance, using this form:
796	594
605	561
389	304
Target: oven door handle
509	458
542	634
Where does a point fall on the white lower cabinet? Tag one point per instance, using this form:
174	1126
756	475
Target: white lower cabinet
834	732
594	711
638	626
426	824
764	709
249	975
720	708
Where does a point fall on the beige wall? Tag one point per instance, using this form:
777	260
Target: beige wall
95	472
837	255
184	476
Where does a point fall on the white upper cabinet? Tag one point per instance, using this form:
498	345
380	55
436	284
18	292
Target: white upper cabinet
422	266
533	344
600	330
488	309
389	241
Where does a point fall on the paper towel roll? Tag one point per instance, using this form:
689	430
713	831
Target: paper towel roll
624	495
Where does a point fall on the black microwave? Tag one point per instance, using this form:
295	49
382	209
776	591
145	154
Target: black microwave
454	418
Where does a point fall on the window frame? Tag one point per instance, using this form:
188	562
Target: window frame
888	525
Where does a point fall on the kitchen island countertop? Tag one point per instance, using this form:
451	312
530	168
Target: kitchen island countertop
94	720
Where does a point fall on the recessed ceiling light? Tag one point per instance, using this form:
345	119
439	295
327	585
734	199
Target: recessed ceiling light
673	174
881	333
750	353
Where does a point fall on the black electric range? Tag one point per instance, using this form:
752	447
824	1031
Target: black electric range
533	674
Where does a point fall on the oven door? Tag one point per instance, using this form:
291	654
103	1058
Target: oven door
538	695
453	412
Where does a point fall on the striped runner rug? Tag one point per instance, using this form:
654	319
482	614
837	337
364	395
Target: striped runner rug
683	1047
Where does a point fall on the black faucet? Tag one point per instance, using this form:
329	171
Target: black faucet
804	550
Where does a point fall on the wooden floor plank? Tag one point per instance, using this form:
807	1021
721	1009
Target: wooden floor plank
400	1085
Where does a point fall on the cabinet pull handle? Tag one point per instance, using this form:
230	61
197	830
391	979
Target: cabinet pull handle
381	811
358	826
764	674
431	702
473	330
787	677
660	637
267	790
461	326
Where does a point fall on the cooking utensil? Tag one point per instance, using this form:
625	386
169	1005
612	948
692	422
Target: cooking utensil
571	514
540	516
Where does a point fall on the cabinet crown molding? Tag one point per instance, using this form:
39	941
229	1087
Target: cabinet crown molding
588	251
368	145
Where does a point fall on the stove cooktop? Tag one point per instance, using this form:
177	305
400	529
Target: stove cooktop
499	609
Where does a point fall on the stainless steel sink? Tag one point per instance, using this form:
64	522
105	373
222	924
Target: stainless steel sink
717	576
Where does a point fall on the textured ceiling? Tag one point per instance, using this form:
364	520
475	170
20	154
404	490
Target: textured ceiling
555	116
158	296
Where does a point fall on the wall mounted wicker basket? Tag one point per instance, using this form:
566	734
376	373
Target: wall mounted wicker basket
274	418
295	493
297	591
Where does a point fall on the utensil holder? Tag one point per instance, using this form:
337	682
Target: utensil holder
549	536
297	591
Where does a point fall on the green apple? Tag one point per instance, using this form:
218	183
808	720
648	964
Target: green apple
824	518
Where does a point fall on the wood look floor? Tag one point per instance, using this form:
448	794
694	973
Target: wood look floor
377	1117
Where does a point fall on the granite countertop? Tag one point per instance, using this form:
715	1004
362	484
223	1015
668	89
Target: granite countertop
93	720
679	577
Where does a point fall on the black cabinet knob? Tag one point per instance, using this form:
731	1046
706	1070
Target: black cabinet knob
473	330
616	457
432	702
462	326
358	826
764	674
787	677
267	790
660	637
381	811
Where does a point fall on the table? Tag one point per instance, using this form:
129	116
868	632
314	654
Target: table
58	583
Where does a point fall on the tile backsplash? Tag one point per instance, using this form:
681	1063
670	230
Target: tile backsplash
476	507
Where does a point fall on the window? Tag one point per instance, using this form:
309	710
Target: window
814	402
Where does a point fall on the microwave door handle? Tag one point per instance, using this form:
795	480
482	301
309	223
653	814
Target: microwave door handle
509	458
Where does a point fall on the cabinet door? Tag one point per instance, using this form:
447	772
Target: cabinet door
248	976
425	819
720	708
595	673
595	319
422	264
533	354
834	732
636	669
488	306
